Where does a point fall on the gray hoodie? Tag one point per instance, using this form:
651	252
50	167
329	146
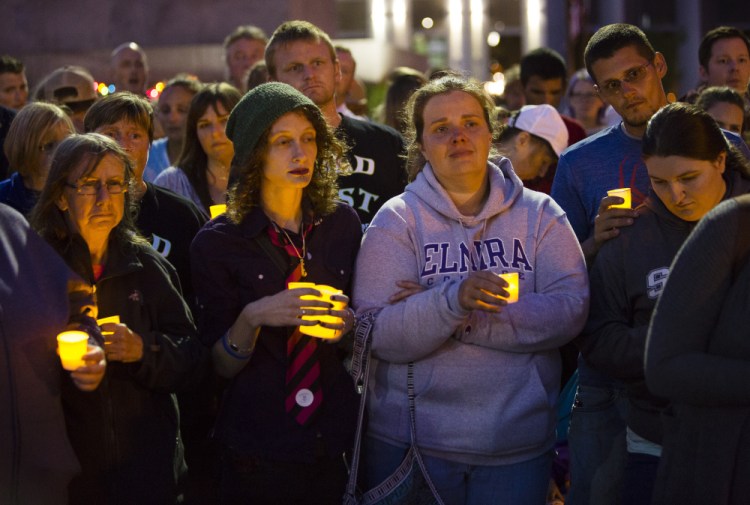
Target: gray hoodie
486	384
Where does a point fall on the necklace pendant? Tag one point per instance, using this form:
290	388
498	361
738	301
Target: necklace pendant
302	270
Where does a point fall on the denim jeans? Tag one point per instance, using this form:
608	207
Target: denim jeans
596	441
523	483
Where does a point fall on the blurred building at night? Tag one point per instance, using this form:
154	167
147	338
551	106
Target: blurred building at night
475	36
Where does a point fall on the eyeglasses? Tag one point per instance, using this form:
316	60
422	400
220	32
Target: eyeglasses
90	188
635	75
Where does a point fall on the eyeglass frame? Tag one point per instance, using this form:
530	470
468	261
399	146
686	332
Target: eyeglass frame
633	75
97	185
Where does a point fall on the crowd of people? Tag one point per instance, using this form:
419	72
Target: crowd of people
216	227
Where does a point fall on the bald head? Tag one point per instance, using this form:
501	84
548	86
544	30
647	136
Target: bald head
129	68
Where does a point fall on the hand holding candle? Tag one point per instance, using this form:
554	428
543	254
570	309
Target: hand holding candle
623	193
485	291
120	342
330	321
109	319
72	345
512	279
89	376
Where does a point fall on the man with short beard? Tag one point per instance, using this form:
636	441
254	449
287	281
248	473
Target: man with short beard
302	55
627	72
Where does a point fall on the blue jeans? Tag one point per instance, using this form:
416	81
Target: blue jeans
523	483
596	441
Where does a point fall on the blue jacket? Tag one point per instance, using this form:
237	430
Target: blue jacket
38	296
14	193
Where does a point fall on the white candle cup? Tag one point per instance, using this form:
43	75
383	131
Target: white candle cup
72	345
623	193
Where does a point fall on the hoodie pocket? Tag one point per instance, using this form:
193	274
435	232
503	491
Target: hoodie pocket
492	408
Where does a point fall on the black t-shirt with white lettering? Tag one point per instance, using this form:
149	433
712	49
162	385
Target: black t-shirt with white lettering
170	222
379	171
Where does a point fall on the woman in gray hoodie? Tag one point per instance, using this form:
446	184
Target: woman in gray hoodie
486	372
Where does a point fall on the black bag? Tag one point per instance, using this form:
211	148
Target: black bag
410	483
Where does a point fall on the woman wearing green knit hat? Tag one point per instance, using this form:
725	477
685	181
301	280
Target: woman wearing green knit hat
290	409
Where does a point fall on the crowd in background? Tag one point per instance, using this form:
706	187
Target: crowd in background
206	225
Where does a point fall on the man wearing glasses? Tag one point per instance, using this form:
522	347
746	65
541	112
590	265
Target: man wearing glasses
627	73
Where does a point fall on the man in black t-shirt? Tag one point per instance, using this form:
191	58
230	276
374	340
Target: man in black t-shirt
301	54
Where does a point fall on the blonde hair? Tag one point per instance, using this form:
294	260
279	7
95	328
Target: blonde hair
27	132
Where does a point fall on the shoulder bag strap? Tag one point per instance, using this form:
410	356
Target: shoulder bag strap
360	372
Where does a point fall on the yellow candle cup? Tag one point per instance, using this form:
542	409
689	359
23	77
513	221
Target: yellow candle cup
297	285
623	193
72	345
326	292
217	210
512	289
108	319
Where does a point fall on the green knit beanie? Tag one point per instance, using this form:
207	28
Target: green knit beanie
258	110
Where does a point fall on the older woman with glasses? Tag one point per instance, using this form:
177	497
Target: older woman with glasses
126	436
31	141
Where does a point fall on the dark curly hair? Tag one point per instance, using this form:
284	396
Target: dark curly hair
322	192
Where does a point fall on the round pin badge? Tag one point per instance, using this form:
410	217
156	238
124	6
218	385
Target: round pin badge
304	397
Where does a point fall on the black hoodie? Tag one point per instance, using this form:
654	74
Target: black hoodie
626	280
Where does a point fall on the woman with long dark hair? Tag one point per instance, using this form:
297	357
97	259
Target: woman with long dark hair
202	171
